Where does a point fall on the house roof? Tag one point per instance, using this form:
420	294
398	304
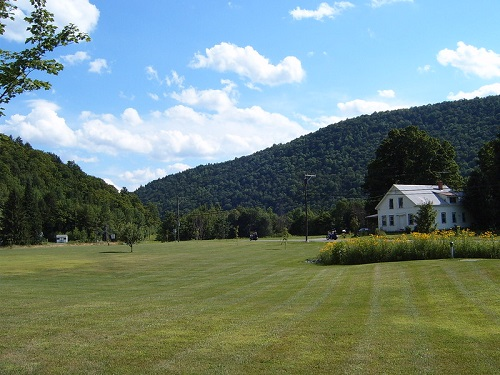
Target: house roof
421	194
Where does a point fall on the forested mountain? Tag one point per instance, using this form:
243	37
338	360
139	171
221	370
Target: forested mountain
39	194
337	154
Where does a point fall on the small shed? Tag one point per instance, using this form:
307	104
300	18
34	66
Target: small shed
61	238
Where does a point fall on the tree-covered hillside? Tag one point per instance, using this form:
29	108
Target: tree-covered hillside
41	194
338	155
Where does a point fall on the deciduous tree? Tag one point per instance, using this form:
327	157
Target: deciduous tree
44	37
410	156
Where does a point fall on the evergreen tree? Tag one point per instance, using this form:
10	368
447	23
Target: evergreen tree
14	223
33	218
426	218
482	193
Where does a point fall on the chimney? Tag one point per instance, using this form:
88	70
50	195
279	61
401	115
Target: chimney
440	185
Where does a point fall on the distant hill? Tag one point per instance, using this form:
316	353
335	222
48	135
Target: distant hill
337	154
58	197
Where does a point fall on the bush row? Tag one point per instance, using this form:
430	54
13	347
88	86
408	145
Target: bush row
414	246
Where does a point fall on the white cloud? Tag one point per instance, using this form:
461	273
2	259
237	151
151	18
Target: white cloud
131	116
380	3
424	69
137	176
152	74
98	66
42	125
493	89
175	79
387	93
472	60
359	107
216	100
76	58
322	121
248	63
324	10
78	12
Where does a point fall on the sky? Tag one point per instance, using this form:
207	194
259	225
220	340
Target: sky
167	85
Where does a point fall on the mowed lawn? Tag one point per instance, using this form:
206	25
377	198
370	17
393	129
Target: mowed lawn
241	307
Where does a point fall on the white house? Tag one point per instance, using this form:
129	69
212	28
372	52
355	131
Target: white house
61	238
399	206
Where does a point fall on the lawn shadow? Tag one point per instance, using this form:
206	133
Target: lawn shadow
114	252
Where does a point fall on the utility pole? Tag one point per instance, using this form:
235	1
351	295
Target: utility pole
178	222
307	177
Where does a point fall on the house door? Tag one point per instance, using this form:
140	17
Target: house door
401	221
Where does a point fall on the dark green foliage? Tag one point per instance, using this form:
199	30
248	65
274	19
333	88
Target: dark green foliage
16	67
40	194
338	155
410	156
482	197
426	218
130	234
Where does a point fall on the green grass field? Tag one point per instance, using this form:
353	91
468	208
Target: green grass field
241	307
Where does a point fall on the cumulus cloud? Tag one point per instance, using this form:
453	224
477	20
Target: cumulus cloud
99	66
248	63
323	10
76	58
203	125
78	12
471	60
380	3
493	89
138	176
131	116
216	100
359	107
42	125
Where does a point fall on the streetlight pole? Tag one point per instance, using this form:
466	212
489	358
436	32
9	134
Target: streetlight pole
307	177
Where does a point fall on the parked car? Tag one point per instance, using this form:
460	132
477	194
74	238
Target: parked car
253	236
363	231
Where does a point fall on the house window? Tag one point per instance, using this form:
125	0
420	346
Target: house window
411	219
391	220
391	204
453	199
384	220
463	217
443	217
454	217
400	202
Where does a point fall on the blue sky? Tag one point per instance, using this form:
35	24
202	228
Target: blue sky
168	85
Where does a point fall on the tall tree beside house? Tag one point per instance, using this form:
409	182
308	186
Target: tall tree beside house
410	156
44	37
482	192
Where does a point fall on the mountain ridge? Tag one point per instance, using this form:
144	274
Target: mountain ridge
337	154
